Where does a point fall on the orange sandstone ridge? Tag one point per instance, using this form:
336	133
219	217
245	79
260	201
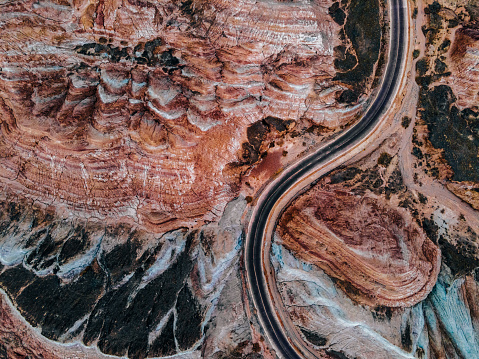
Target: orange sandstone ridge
138	109
377	253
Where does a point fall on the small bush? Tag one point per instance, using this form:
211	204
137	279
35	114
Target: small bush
405	121
384	159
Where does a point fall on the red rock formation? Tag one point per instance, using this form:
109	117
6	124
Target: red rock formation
464	61
378	254
134	108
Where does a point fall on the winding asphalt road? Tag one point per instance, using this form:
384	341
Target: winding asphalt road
257	228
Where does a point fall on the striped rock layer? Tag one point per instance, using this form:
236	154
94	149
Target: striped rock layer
139	109
377	254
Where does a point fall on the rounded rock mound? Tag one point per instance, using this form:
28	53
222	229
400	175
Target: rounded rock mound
377	254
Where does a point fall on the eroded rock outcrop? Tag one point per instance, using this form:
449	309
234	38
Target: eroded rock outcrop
328	319
116	287
378	254
121	108
464	61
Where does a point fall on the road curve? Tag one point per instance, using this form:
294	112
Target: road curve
258	224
